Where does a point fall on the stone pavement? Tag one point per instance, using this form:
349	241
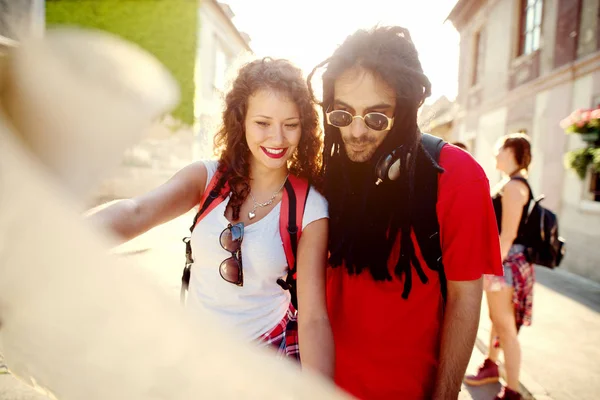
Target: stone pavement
487	392
561	355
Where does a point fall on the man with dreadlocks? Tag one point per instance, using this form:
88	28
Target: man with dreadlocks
404	318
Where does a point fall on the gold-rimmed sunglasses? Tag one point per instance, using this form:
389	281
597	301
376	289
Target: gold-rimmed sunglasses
374	120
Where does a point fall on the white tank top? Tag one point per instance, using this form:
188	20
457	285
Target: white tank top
256	307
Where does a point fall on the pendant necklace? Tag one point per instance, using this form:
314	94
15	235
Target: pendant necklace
252	213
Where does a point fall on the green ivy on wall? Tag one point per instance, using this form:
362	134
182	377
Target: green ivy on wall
166	28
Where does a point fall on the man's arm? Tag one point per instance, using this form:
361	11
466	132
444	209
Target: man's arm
470	248
459	329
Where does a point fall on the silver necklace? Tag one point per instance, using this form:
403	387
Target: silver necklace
252	213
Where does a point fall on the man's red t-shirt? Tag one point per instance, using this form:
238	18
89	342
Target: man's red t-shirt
387	347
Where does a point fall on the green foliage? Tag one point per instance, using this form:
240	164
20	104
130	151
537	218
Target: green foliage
579	160
166	28
595	158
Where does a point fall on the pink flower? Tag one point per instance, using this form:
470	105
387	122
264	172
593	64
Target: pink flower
576	115
595	114
581	124
565	123
586	116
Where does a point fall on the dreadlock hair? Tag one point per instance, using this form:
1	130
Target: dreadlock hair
365	219
282	77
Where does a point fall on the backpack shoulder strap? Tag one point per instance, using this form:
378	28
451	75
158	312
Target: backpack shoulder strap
293	204
526	182
433	145
531	203
290	218
210	199
426	226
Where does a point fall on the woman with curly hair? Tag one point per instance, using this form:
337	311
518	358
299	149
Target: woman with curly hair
269	132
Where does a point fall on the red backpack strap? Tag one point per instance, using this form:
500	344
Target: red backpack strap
293	204
211	198
290	218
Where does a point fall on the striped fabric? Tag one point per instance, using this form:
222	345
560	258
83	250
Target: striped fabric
284	336
523	280
523	274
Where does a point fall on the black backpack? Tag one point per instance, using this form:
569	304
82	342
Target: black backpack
426	225
539	233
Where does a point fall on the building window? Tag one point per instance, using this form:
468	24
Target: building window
530	27
479	48
595	186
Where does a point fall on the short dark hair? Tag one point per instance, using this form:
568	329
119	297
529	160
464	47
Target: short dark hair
520	144
461	145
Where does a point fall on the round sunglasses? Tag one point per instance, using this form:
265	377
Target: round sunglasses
231	241
373	120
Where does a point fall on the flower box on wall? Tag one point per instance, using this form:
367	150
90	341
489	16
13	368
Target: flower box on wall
585	123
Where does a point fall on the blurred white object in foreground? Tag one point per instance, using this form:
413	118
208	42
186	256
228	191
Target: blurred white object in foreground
80	98
74	320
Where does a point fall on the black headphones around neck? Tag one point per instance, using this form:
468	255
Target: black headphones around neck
389	165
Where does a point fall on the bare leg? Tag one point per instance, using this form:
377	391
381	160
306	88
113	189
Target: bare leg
493	352
503	320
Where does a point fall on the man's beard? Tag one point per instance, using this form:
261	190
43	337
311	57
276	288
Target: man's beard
369	143
360	216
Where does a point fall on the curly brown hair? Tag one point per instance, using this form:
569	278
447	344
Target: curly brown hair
230	141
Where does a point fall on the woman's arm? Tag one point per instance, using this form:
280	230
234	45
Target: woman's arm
130	218
514	196
314	330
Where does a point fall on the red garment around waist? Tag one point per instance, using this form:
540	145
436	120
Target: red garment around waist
284	336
